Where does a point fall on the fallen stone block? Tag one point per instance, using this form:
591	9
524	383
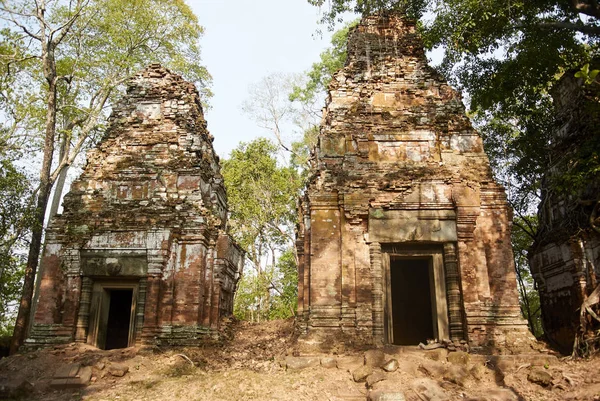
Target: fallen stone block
429	390
71	376
374	358
360	375
350	363
18	389
117	369
386	396
478	371
457	375
376	377
540	376
391	365
438	354
459	358
432	369
329	362
301	362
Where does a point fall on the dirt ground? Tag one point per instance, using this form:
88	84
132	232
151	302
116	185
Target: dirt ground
252	366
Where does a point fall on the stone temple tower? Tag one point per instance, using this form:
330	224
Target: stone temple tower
140	254
404	234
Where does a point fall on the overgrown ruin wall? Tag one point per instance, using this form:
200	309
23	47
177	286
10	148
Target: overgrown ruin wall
401	174
147	216
565	258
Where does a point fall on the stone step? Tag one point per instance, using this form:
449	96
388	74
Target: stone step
72	375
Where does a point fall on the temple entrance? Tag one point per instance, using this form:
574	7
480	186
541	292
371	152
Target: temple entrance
112	315
119	318
415	307
412	313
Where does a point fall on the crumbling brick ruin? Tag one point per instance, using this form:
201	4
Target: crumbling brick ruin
404	233
139	254
565	258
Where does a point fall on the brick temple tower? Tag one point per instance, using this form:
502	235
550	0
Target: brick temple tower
140	254
404	234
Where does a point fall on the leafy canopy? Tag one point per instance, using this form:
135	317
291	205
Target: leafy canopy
15	222
262	202
261	194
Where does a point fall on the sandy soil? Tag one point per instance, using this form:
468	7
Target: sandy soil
249	367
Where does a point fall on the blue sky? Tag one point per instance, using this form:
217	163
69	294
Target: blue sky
244	41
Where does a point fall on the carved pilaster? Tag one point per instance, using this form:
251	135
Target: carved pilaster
377	286
83	317
466	221
455	314
141	307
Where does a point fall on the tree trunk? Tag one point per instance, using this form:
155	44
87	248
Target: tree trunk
42	201
62	178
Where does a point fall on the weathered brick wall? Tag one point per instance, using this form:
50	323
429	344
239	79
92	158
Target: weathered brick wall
398	167
565	259
149	209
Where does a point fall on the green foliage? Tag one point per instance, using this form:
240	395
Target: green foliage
332	10
262	202
588	76
284	305
262	196
529	298
125	36
15	222
331	60
507	56
108	41
269	294
580	168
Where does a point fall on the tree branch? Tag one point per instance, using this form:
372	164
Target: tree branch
11	13
92	120
64	29
592	30
588	8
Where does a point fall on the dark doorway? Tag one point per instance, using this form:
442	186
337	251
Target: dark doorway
412	314
119	316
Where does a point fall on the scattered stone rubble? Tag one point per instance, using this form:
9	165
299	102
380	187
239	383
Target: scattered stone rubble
146	217
400	173
375	368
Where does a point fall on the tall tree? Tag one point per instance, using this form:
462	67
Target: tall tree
262	201
269	105
289	107
14	227
529	297
78	53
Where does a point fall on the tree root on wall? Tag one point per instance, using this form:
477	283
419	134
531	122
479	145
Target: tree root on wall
587	338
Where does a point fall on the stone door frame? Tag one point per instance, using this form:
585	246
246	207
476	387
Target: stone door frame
98	309
448	297
437	289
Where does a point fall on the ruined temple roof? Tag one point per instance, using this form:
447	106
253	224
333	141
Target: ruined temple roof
390	118
155	163
380	38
